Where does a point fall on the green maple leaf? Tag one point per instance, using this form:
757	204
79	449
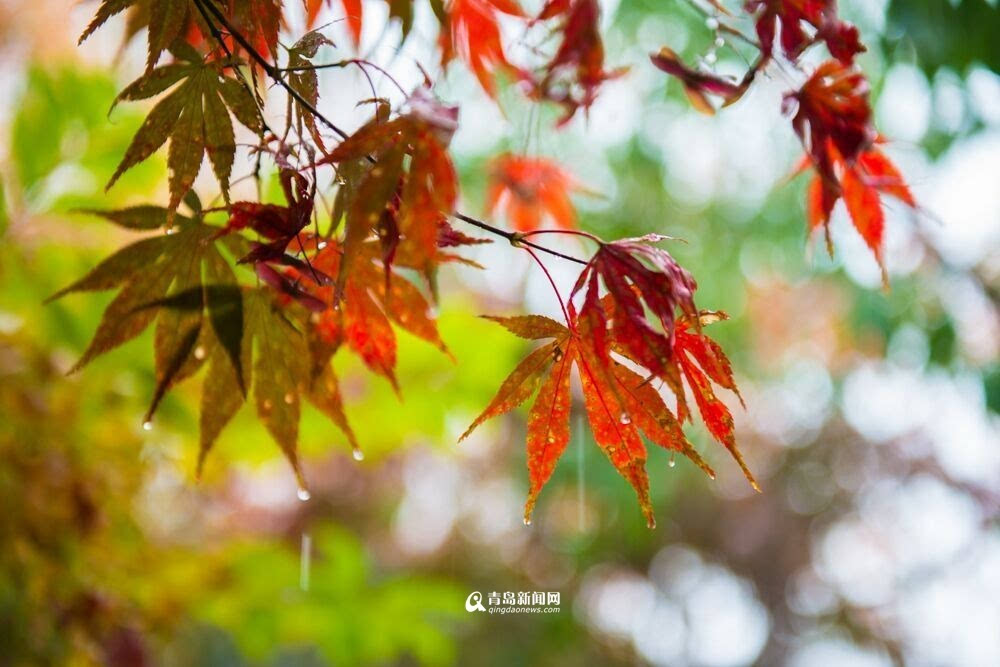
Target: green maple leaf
181	282
194	116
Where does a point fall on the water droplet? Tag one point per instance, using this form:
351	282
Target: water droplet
720	42
199	353
305	560
710	57
147	425
358	454
712	23
672	462
651	523
527	521
625	419
289	398
303	494
267	405
171	230
321	245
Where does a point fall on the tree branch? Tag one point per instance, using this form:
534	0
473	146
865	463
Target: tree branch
276	75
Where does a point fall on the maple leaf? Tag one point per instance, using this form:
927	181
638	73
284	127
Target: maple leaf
279	224
194	116
367	307
304	80
621	406
793	16
162	279
832	113
470	30
637	275
575	73
699	85
404	202
528	188
861	186
353	14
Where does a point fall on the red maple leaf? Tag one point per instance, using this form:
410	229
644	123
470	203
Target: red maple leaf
621	405
699	85
530	188
575	73
833	115
638	276
802	23
472	32
861	186
353	14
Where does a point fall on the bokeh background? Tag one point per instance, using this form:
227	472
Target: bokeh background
871	421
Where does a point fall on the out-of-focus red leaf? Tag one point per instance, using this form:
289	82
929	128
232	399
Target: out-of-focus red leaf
833	118
472	32
576	71
529	188
699	85
802	23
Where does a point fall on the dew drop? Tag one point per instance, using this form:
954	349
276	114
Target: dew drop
199	353
171	231
289	398
651	523
147	425
267	405
673	461
527	521
625	419
321	245
712	23
303	494
358	454
720	42
710	57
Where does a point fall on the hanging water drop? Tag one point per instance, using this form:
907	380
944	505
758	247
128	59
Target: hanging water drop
625	419
720	41
358	454
170	231
199	353
303	494
147	425
710	57
321	245
289	398
673	461
305	560
527	521
712	23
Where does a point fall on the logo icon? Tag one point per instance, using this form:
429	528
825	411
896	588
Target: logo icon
474	602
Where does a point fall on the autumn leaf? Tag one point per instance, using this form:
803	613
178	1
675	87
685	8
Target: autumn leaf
861	186
529	189
353	15
621	405
832	116
304	80
793	17
194	117
402	202
471	32
638	275
364	316
699	85
576	71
